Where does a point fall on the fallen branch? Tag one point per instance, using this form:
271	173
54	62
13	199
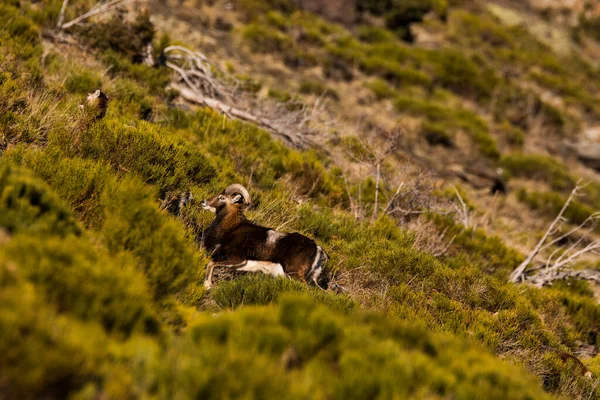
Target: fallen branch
203	83
464	210
61	14
219	106
96	10
517	274
547	277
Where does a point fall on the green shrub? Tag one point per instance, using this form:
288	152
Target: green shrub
248	83
454	71
133	223
263	39
28	205
514	136
129	39
454	119
373	34
78	182
155	153
254	9
83	82
474	247
82	281
312	36
539	167
261	290
381	89
42	353
280	95
321	346
393	71
318	88
437	134
298	58
550	204
154	80
476	29
132	99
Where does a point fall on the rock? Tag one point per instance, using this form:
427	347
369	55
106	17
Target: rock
587	152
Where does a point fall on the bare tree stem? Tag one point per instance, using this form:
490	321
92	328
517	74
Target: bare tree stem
95	11
61	14
517	274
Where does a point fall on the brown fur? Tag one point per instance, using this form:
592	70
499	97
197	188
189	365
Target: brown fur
98	102
232	239
94	108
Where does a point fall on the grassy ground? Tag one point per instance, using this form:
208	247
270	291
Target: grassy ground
101	290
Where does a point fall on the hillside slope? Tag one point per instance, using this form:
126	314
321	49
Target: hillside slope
101	271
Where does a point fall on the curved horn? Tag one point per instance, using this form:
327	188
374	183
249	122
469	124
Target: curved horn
237	188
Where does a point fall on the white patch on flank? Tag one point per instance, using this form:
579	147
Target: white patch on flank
315	269
273	236
266	267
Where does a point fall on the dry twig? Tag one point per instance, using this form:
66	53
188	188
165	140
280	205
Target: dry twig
555	269
201	82
98	8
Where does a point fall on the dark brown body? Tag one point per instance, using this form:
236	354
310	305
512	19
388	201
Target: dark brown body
232	240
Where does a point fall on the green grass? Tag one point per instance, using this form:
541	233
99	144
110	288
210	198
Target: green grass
539	167
550	203
101	291
454	119
84	82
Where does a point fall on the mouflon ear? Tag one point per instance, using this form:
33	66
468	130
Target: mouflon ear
97	93
238	198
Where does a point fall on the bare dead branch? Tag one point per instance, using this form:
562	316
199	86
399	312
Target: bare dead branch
394	197
464	210
201	82
546	278
377	179
592	218
517	274
350	199
219	106
96	10
61	14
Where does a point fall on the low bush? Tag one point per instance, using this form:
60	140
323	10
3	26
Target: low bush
539	167
264	39
78	182
82	281
129	39
466	120
318	89
373	34
381	89
550	203
437	134
154	80
514	136
393	72
262	290
321	346
455	71
155	153
83	82
133	223
27	204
